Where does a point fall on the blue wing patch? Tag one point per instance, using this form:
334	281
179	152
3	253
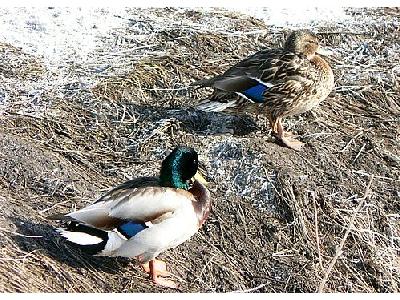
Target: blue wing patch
255	93
130	228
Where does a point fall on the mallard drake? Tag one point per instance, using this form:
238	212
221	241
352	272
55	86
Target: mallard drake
278	82
145	216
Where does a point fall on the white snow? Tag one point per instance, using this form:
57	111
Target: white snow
297	16
59	34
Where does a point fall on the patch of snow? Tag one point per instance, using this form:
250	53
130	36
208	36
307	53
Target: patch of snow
58	34
298	16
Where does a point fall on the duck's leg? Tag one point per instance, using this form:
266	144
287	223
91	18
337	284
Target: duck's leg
158	268
274	125
286	137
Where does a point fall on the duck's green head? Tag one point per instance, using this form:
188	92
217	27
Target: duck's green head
179	167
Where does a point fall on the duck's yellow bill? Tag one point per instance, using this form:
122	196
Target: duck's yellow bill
200	178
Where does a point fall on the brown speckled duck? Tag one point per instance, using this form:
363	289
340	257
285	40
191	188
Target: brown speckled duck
278	82
145	216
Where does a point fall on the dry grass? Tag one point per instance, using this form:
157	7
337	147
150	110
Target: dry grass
324	219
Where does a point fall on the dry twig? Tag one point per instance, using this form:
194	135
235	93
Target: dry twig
349	227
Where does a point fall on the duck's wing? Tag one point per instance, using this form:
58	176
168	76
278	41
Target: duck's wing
282	78
266	73
140	205
246	73
151	203
98	213
124	189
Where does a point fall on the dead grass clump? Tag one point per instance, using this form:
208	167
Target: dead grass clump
19	64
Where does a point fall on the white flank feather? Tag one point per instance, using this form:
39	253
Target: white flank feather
80	238
215	106
171	232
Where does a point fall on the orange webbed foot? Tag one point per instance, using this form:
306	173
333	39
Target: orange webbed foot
292	143
157	270
288	134
166	282
285	137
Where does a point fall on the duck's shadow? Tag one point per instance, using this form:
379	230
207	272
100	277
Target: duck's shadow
196	121
43	237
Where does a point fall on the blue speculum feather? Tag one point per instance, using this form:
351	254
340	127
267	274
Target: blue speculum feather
255	93
131	228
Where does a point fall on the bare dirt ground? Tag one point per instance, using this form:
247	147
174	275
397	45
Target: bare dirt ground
326	218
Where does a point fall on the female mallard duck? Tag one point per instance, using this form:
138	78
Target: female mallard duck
145	216
281	82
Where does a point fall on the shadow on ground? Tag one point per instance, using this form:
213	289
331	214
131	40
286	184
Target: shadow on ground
44	238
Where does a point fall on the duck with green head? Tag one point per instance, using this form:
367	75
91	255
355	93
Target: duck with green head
145	216
276	82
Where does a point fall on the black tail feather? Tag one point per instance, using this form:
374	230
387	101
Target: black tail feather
91	249
202	83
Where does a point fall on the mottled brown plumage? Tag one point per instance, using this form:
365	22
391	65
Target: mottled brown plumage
277	82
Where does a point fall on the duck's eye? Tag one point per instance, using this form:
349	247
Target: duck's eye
193	165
